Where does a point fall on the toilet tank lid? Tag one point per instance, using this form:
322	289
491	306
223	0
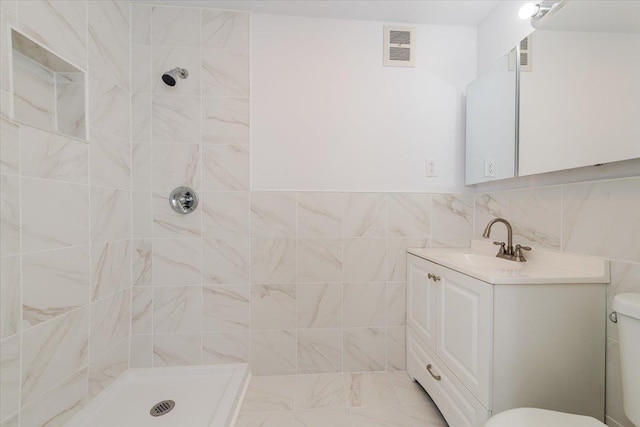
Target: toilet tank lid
627	304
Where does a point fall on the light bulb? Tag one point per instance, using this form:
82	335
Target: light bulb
528	10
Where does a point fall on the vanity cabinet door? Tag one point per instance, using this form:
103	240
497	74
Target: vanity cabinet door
465	330
421	298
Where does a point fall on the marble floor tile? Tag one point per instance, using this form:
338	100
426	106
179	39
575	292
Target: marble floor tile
426	415
320	391
334	417
409	391
265	419
382	416
270	393
369	389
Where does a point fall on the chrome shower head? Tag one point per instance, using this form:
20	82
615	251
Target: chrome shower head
170	77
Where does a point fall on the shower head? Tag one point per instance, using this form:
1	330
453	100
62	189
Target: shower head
170	76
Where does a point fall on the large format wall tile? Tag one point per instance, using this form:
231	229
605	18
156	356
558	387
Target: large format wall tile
225	121
225	73
319	214
177	309
176	262
109	39
110	214
602	219
409	215
319	260
452	216
319	350
110	161
172	26
110	320
226	214
175	165
227	261
9	146
364	349
273	352
273	260
319	305
177	350
364	304
273	306
54	283
67	207
53	156
225	168
226	308
365	260
364	214
10	372
141	24
225	29
60	404
109	109
226	347
175	118
106	368
61	26
167	223
10	215
110	268
52	351
10	303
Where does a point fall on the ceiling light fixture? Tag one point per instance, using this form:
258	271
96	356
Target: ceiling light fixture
536	10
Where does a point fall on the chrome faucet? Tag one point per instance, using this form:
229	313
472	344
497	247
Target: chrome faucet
507	252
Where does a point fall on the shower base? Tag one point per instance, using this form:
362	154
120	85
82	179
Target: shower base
204	396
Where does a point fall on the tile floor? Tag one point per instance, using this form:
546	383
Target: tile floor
368	399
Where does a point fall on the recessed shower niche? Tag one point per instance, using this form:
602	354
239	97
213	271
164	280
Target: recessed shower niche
48	92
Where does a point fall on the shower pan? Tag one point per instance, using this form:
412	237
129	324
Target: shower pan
197	396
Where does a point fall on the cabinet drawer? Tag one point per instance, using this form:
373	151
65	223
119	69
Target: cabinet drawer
457	404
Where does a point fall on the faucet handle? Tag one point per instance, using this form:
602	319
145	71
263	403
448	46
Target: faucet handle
518	253
502	249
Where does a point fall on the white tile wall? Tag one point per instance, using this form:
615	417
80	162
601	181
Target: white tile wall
65	216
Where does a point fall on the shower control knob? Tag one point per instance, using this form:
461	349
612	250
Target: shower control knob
183	200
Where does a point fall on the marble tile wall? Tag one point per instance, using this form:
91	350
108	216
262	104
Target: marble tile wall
65	217
290	282
600	218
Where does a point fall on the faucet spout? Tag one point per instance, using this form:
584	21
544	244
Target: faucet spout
487	233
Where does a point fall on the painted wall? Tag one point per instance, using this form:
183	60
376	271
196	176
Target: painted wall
500	32
327	116
65	217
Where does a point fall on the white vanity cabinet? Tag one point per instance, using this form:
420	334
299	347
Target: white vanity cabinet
479	348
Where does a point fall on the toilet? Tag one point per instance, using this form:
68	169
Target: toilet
627	307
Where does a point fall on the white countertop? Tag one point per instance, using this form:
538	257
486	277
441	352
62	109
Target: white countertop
543	266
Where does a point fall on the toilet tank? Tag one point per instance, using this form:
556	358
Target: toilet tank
628	308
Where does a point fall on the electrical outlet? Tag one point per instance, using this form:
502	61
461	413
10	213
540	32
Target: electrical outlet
430	168
489	168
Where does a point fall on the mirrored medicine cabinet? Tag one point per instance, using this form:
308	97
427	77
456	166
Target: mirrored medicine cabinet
567	97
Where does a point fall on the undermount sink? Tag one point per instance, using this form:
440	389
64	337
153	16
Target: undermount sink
482	261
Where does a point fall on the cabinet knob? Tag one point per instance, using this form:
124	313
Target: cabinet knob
435	377
434	277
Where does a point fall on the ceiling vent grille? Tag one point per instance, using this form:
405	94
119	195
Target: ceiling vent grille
399	47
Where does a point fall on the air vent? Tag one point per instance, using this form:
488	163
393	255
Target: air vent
525	56
399	47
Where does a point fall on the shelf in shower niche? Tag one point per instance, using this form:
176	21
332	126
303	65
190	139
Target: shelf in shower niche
47	91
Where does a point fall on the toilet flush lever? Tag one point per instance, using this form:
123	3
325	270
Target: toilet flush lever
613	316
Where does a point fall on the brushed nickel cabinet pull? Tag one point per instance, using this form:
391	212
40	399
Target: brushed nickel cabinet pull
435	377
433	276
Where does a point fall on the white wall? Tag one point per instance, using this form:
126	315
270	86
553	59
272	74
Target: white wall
500	32
327	116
